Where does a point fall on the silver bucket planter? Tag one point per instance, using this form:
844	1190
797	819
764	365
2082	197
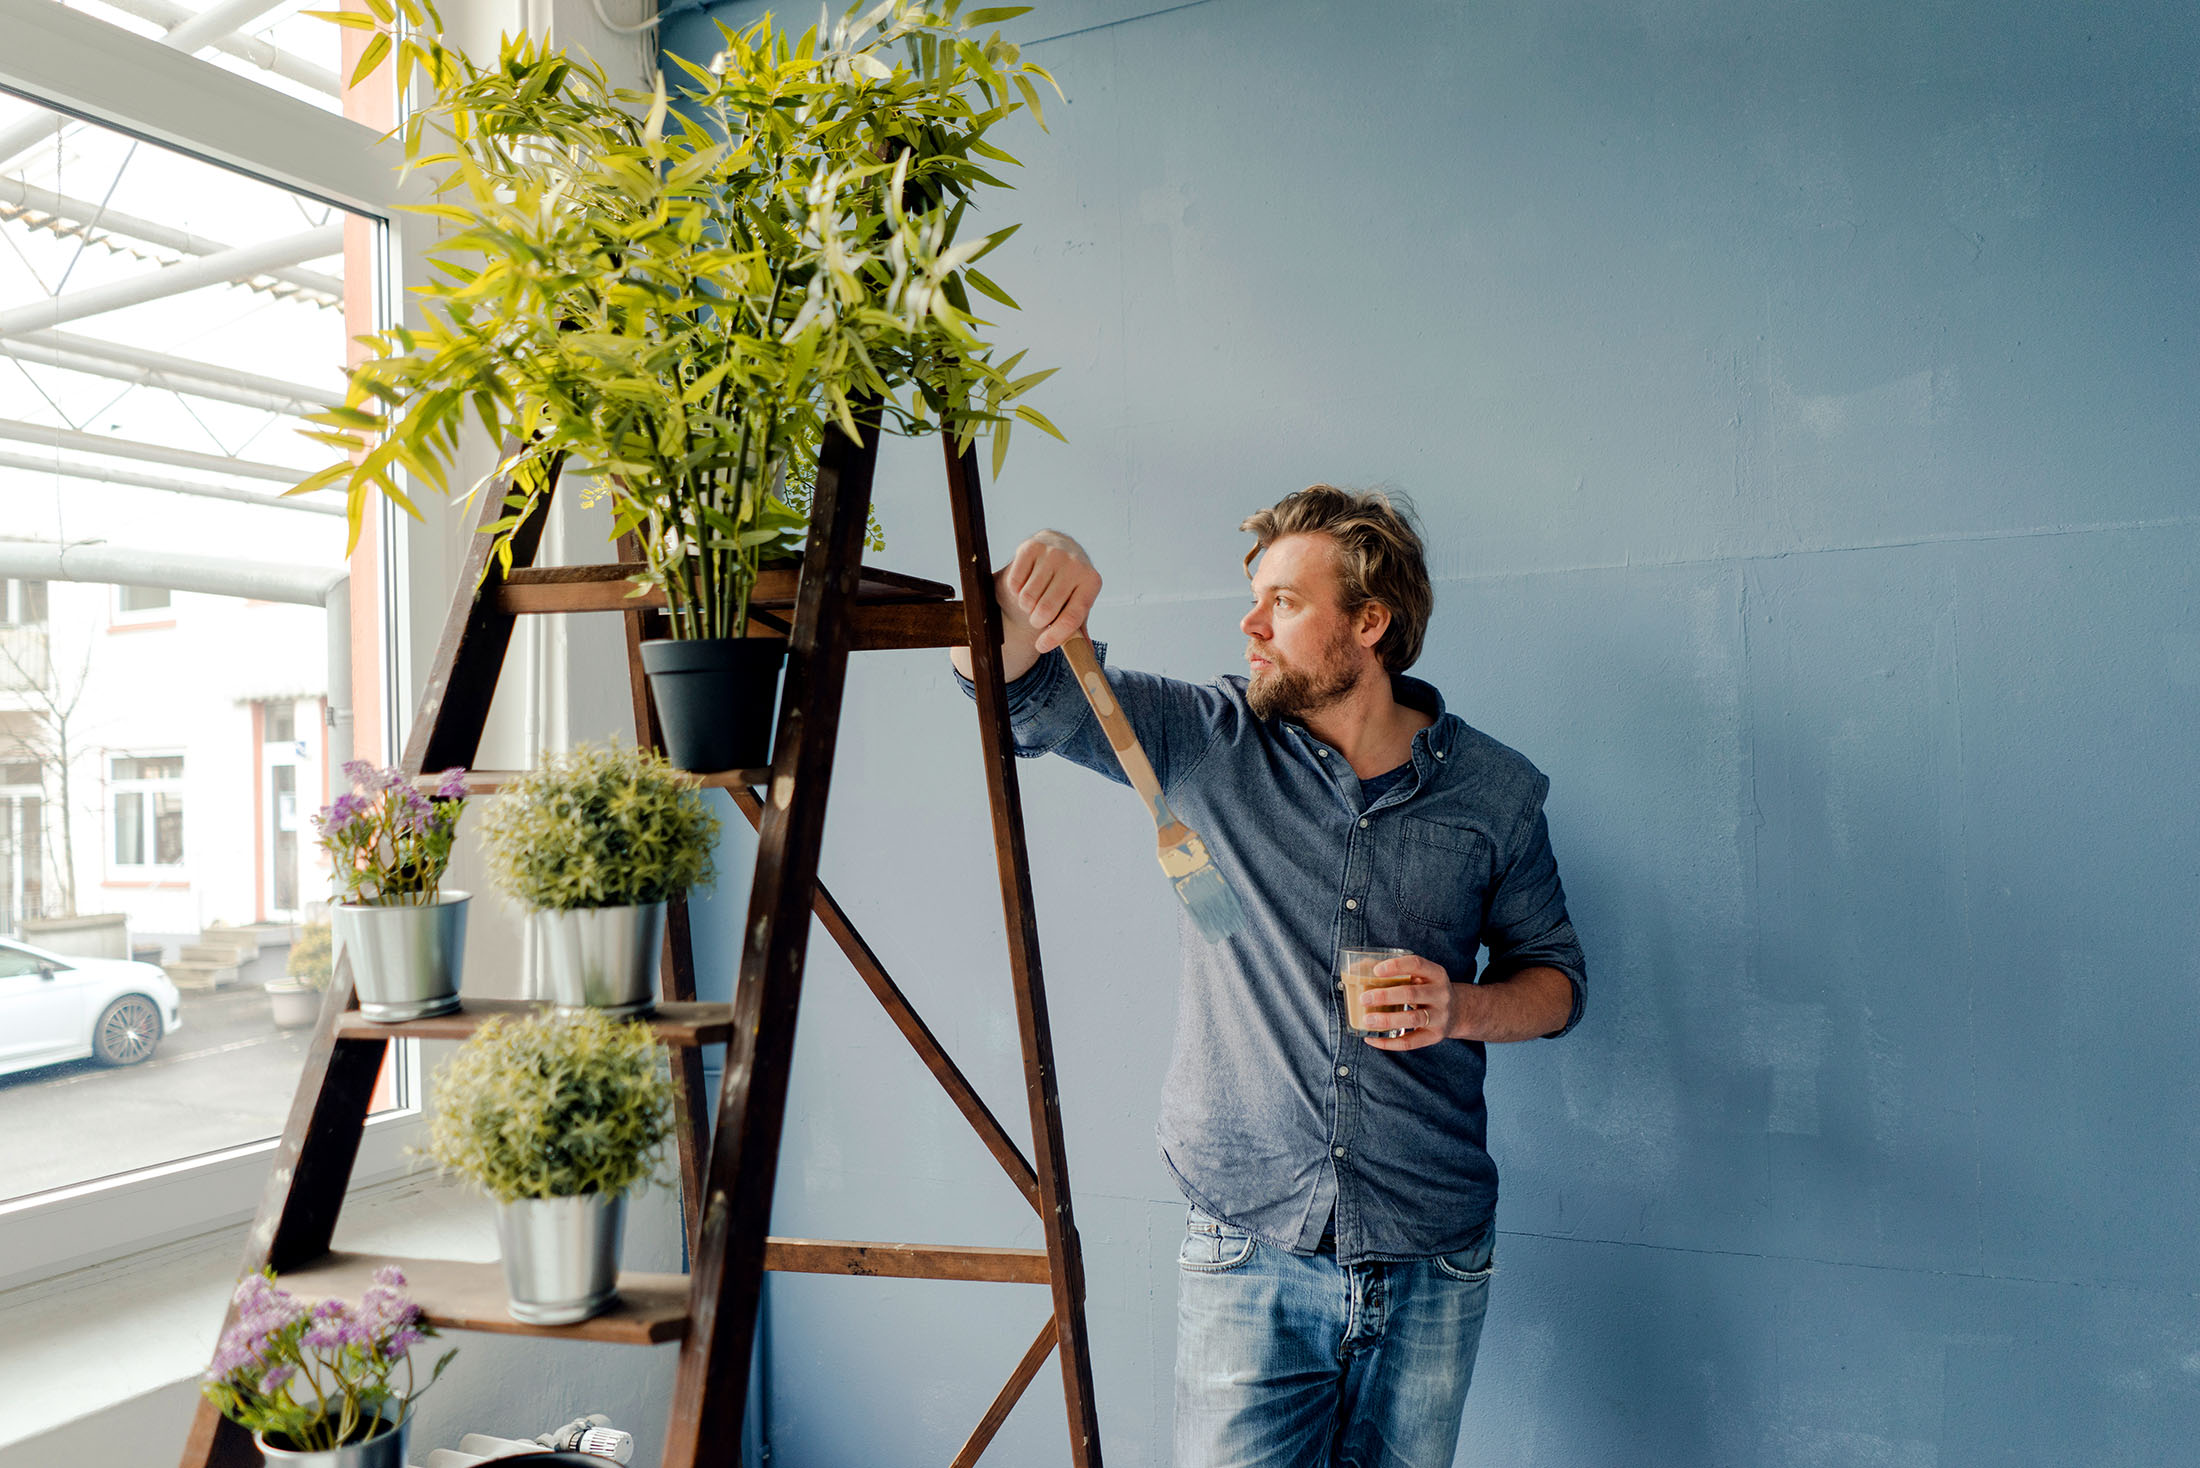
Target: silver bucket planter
404	960
384	1450
602	957
561	1256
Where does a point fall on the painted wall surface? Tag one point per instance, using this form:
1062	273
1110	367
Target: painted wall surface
1804	403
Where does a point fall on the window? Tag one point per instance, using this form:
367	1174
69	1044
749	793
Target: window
282	722
147	795
173	386
141	598
22	603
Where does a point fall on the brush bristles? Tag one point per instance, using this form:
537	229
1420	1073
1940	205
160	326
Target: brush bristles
1215	909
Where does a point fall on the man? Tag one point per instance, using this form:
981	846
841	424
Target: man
1337	1259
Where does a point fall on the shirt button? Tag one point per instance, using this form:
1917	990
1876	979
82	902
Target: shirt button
1363	823
1321	754
1439	754
1340	1151
1344	1070
1351	904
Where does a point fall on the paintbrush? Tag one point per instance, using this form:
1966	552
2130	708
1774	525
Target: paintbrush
1200	884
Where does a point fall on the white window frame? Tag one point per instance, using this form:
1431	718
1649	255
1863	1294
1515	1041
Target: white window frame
81	65
13	600
144	789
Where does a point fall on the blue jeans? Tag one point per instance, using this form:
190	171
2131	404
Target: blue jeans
1294	1361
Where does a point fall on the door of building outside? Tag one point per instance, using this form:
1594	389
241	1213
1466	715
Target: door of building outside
280	757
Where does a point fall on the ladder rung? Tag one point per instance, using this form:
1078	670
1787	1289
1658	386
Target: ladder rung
459	1295
609	588
907	1261
873	626
673	1024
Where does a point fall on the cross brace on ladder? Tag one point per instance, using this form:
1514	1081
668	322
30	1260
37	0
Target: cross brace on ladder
727	1172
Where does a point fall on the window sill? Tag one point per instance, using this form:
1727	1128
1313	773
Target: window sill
84	1343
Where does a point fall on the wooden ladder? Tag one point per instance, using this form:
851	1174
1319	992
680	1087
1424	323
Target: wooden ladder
726	1172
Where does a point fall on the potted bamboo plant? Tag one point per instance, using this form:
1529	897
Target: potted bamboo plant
594	843
558	1117
675	298
389	843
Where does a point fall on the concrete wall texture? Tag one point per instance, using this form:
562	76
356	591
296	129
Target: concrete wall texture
1804	403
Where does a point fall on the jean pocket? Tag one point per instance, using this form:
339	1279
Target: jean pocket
1212	1246
1471	1265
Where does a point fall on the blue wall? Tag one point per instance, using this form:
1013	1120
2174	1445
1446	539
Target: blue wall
1804	401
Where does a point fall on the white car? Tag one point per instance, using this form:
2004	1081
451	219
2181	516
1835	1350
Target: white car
56	1007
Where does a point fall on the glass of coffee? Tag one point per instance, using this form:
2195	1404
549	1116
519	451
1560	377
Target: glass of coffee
1356	971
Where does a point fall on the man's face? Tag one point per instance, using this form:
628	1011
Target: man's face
1305	653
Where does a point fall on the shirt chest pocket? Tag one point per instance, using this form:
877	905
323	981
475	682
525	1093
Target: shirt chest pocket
1443	875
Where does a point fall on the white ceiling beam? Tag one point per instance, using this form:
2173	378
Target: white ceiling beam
202	29
107	351
79	64
102	474
253	51
191	381
242	262
15	192
150	453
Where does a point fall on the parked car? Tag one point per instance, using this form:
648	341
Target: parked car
56	1007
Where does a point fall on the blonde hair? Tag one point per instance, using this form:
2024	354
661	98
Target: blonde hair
1379	557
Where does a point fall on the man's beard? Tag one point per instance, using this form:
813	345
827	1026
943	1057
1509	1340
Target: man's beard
1296	692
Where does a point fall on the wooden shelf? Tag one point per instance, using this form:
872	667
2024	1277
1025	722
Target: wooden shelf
489	782
611	588
458	1295
674	1024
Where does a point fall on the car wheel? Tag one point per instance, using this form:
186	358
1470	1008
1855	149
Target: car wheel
127	1031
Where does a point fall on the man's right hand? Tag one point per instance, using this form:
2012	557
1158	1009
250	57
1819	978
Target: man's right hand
1044	593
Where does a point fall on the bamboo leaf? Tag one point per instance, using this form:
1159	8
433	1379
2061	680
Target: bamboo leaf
369	59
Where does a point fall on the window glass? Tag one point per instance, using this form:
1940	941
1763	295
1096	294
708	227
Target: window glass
15	963
142	598
148	826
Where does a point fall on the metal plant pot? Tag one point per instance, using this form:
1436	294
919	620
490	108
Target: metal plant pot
602	957
714	698
294	1005
384	1450
561	1256
404	960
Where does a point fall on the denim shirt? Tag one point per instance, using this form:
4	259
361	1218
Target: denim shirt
1275	1118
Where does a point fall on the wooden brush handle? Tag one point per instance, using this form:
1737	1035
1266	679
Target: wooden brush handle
1084	661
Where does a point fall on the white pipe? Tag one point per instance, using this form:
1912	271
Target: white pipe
173	280
155	378
96	216
102	475
107	351
45	560
150	453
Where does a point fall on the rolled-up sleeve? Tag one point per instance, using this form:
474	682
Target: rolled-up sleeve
1176	722
1528	926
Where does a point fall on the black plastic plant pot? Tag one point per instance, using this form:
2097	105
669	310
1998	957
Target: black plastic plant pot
715	698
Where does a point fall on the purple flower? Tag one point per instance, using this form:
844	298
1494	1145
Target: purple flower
390	1275
276	1377
453	786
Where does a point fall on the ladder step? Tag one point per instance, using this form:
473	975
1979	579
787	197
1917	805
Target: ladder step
461	1295
907	1261
608	588
673	1024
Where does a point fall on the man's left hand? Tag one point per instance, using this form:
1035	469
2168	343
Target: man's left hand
1428	989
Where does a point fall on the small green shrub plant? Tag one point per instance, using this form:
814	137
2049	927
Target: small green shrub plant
602	825
312	956
553	1106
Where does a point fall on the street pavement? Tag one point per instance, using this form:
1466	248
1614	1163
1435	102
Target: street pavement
223	1078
